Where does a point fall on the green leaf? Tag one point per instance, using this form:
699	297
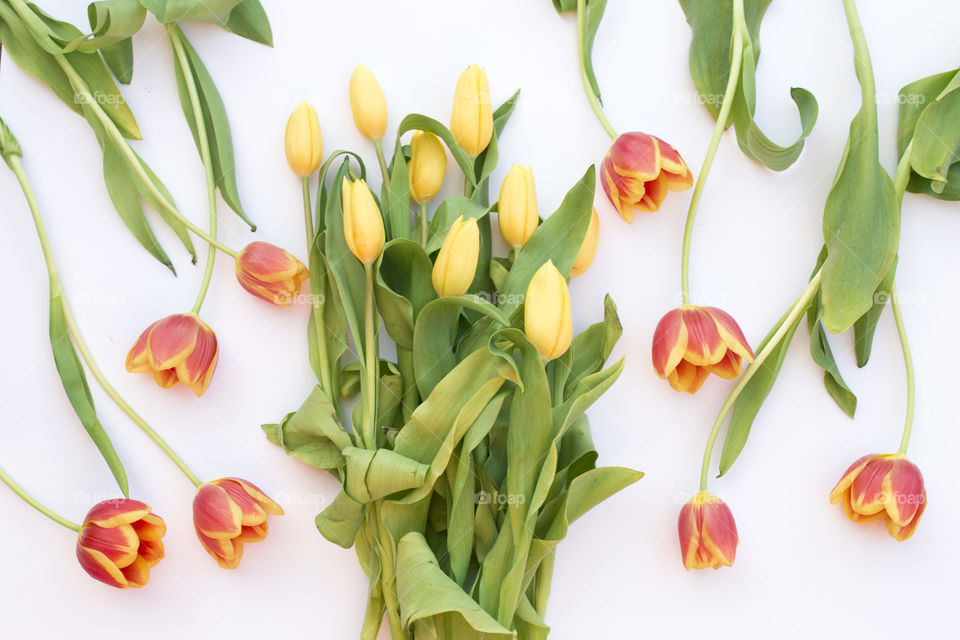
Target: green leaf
119	59
169	11
927	123
398	205
423	123
446	214
312	433
249	20
340	521
592	19
591	347
404	286
823	356
866	325
111	22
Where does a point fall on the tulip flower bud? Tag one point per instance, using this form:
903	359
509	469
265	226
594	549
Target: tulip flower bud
589	247
456	263
517	210
427	166
175	349
119	542
303	142
472	120
368	104
229	512
362	222
708	534
270	273
639	170
887	487
547	318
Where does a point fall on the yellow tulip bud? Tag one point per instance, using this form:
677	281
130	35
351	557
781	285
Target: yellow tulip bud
517	212
304	144
368	104
547	319
427	166
457	261
362	223
472	120
589	247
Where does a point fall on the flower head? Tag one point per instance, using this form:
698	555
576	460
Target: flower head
708	534
368	104
639	170
427	166
517	211
456	263
229	512
691	342
472	120
362	222
270	273
175	349
119	542
547	317
303	141
589	247
883	486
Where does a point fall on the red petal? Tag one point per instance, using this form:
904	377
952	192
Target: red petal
689	529
197	370
138	360
866	492
117	511
137	573
636	155
904	532
704	344
906	491
118	544
669	343
99	567
849	476
719	532
728	368
215	514
271	507
172	340
730	332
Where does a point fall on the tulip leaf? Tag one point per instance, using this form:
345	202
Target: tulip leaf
423	123
170	11
823	356
404	287
340	521
929	109
111	22
78	392
866	325
592	347
594	15
249	20
119	59
398	204
446	214
312	433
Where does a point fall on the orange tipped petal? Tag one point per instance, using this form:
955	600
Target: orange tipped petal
138	360
719	533
112	513
704	344
99	567
904	532
636	155
702	374
689	536
196	370
118	544
866	492
137	573
171	340
254	533
728	368
682	376
215	514
166	378
271	507
669	343
151	551
849	476
730	332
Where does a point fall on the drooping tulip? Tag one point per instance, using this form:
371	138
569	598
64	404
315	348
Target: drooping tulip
119	542
547	317
691	342
303	141
472	119
517	212
362	222
589	247
639	170
270	273
228	512
456	264
368	104
883	486
708	534
175	349
427	166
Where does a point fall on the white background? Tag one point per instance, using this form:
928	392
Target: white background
802	567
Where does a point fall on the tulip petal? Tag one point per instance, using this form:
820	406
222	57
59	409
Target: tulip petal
172	340
728	368
730	332
702	374
250	511
267	262
704	344
137	573
857	517
683	376
215	514
150	527
903	489
166	378
904	532
196	370
254	533
138	360
719	533
689	529
669	343
119	544
636	155
112	513
99	567
866	492
151	551
840	490
271	507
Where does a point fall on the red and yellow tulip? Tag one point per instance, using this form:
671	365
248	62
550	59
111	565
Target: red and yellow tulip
228	512
175	349
691	342
270	273
120	541
883	486
708	534
639	170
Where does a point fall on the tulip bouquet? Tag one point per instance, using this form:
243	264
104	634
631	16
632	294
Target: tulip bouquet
469	454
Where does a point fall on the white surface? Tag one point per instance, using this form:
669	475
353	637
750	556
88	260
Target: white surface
802	567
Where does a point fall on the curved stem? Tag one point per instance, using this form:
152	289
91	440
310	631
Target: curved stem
798	308
907	364
307	212
902	175
384	170
721	125
862	63
203	141
323	359
591	96
424	225
370	352
36	504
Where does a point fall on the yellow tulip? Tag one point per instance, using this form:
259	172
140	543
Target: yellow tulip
472	120
368	104
303	141
547	318
362	223
589	247
427	166
517	212
457	261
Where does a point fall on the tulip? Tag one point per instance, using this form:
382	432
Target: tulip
229	512
303	142
472	120
638	170
883	486
456	263
119	542
691	342
517	211
368	104
178	348
427	166
270	273
547	318
362	222
708	534
589	247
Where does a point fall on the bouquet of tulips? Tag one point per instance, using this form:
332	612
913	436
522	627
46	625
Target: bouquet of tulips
469	454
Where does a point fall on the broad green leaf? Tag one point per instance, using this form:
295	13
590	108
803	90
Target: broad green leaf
927	119
372	475
111	22
866	325
312	433
340	521
591	347
398	206
449	210
119	59
404	286
249	20
169	11
327	321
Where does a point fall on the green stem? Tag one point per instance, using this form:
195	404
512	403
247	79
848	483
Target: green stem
544	580
718	129
468	188
74	329
307	212
326	377
175	35
132	159
902	175
370	352
384	170
424	225
798	308
591	96
862	63
33	502
907	364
